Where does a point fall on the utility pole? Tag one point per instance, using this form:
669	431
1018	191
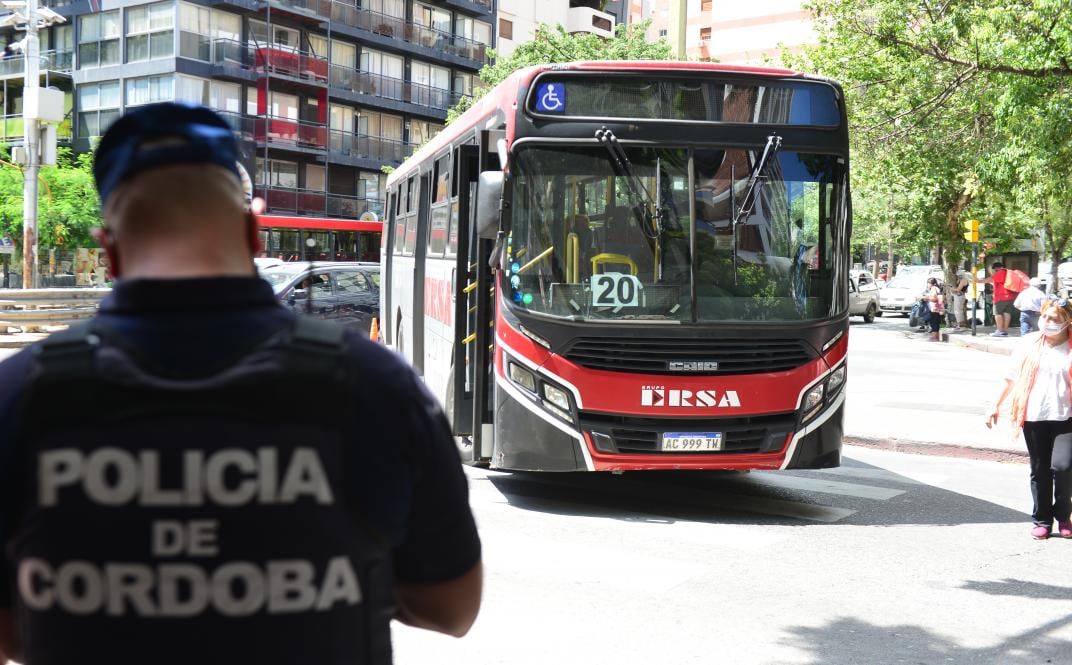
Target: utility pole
30	107
675	27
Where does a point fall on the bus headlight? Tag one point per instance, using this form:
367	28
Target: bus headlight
523	377
813	400
835	381
556	396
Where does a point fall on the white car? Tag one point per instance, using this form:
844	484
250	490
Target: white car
863	295
265	262
902	292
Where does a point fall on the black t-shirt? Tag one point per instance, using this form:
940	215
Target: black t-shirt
406	480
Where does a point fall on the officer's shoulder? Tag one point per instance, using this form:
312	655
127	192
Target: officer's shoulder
377	365
14	370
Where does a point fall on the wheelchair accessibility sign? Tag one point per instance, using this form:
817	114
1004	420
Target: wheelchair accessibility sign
551	98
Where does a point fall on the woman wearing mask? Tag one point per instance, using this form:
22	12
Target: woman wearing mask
935	306
1038	382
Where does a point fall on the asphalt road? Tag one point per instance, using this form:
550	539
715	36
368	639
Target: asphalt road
892	558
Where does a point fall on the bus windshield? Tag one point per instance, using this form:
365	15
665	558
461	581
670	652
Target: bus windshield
585	246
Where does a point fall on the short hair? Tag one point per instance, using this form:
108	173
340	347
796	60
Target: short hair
933	281
997	265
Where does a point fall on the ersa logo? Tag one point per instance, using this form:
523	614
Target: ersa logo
660	396
551	98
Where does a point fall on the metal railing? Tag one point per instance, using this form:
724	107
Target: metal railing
12	127
51	61
32	308
369	147
308	201
409	31
367	83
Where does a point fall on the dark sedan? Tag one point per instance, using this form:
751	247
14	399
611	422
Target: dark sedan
345	292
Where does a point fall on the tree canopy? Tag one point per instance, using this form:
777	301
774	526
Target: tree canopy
957	110
68	207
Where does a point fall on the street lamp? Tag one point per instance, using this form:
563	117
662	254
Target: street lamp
35	107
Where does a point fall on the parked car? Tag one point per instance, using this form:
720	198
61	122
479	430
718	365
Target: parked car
863	295
902	292
345	292
265	262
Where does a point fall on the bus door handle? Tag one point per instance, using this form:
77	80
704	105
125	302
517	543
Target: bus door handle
453	284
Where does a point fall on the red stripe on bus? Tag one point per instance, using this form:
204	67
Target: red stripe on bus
317	223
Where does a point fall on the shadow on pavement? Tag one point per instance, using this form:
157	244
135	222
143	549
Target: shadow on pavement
852	642
879	498
1022	588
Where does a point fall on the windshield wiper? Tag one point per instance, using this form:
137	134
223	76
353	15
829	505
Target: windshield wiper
757	178
755	184
621	162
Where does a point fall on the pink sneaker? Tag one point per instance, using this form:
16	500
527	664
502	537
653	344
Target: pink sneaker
1040	532
1065	529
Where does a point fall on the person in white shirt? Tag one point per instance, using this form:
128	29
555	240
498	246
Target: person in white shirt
1038	381
1029	302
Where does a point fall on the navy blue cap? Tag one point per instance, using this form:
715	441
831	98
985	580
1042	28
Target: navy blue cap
206	139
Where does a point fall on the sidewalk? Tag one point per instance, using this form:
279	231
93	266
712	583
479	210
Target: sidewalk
982	341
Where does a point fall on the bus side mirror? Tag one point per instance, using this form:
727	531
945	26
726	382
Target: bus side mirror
489	191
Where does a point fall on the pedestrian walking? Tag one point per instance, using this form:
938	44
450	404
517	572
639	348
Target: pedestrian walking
1038	385
935	307
200	476
960	302
1003	299
1029	302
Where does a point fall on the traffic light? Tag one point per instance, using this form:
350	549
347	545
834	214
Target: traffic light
971	230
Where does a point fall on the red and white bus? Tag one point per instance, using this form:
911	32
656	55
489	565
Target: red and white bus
612	266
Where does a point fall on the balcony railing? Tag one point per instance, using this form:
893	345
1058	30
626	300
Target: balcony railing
12	128
368	147
51	61
308	201
265	58
367	83
298	64
277	131
414	33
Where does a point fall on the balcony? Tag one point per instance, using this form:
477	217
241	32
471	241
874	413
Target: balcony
58	62
408	31
274	60
366	83
368	147
292	63
305	7
279	132
317	203
12	130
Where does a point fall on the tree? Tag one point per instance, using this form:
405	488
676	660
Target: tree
941	96
68	207
553	44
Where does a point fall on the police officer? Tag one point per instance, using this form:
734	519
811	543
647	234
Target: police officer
199	476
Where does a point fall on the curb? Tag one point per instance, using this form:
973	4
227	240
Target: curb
961	451
21	340
979	344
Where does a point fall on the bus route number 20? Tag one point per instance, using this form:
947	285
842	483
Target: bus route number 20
615	290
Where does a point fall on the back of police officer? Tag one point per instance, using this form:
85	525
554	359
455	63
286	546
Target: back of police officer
198	475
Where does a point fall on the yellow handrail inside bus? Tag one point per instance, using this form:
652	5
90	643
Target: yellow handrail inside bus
605	258
573	258
543	255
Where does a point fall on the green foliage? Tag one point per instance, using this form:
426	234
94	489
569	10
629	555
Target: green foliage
957	110
552	44
68	207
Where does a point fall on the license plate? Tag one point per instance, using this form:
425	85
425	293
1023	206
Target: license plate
688	442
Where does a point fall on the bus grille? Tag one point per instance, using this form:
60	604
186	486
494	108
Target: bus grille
633	434
654	355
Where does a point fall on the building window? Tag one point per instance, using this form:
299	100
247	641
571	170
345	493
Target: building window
315	177
421	131
375	62
506	29
395	8
281	38
98	39
431	17
277	173
150	89
98	107
379	125
705	5
219	95
473	30
342	118
194	32
705	35
662	32
371	185
343	54
150	32
464	83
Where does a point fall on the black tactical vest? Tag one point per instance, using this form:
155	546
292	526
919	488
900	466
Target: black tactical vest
166	519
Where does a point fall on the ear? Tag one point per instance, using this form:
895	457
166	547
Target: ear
106	240
253	237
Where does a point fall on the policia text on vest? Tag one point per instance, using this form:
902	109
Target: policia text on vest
177	587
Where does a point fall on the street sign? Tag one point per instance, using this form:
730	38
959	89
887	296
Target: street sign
6	246
971	230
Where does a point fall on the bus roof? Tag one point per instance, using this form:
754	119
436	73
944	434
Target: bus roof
503	97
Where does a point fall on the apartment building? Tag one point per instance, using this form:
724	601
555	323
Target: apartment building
518	19
321	93
744	33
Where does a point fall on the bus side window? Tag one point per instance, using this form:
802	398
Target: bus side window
400	220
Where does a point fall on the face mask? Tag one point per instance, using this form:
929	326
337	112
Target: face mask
1053	329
